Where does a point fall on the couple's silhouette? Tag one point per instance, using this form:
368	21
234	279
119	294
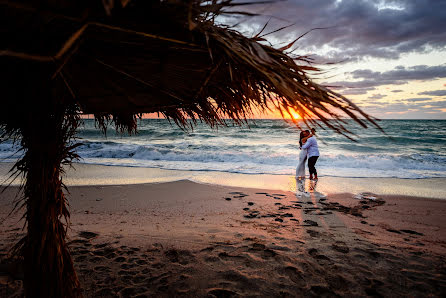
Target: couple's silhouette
309	150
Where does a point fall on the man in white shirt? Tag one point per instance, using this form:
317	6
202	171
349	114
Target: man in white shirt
313	154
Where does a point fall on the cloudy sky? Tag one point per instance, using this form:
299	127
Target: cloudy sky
390	54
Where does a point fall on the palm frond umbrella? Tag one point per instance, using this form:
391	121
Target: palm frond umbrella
119	59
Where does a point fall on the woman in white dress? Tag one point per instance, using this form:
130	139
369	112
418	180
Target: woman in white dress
300	170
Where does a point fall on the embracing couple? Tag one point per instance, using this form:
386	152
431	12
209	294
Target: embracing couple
310	151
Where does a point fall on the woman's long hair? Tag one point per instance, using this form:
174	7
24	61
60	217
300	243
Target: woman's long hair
302	135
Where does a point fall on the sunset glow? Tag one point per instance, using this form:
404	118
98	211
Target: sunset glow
295	115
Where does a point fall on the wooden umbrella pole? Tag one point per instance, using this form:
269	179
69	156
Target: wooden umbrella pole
49	270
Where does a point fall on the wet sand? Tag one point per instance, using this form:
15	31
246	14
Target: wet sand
199	240
90	174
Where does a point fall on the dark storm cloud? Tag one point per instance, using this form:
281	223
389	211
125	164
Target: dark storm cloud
392	108
359	28
439	104
434	93
418	99
357	91
433	104
422	107
366	84
401	73
398	76
377	96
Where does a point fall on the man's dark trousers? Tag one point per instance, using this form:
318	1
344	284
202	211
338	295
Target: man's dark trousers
311	163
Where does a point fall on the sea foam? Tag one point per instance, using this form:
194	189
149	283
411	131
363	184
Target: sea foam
411	149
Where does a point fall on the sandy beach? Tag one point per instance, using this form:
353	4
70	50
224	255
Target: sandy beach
190	239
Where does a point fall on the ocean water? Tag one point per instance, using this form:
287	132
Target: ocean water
411	149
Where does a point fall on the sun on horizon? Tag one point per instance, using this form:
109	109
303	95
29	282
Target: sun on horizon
295	114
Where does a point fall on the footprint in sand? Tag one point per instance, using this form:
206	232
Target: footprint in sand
105	292
315	254
138	278
372	291
268	253
107	251
412	232
270	215
100	245
252	214
340	247
172	255
225	256
257	246
287	215
264	252
126	276
97	259
78	242
141	262
79	251
207	249
321	291
158	265
102	269
80	259
127	266
132	292
237	194
221	293
293	274
311	223
162	278
278	247
129	252
88	235
211	259
120	259
337	282
313	233
179	256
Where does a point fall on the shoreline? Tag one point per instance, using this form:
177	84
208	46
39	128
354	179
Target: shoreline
89	174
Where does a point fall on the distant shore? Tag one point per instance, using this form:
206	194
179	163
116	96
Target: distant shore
89	174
